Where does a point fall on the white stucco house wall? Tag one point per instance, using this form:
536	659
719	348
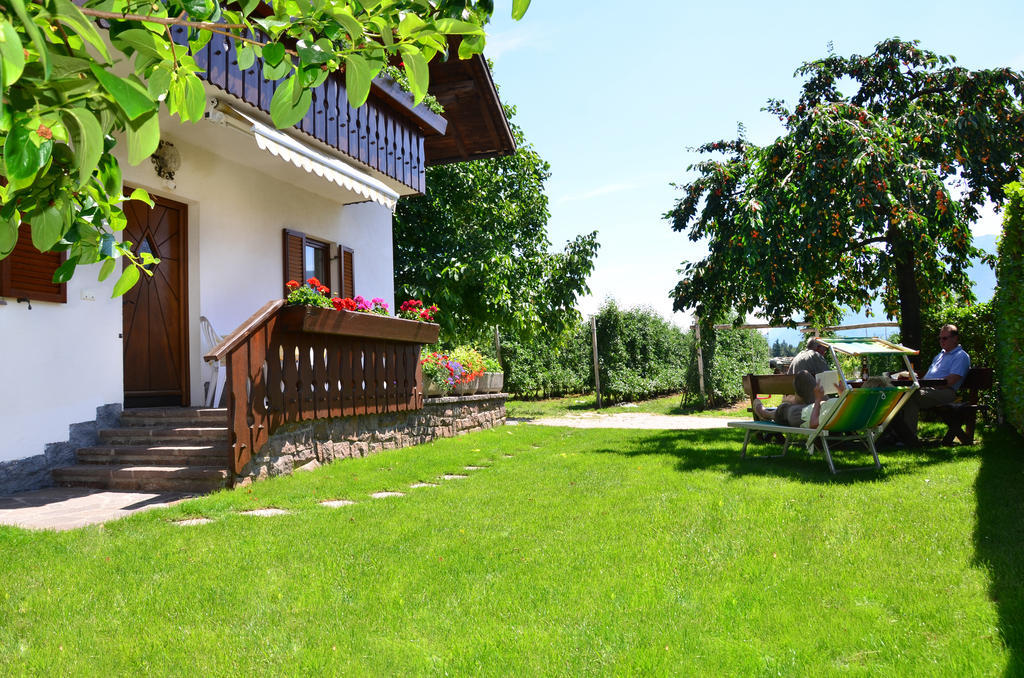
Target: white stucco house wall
68	368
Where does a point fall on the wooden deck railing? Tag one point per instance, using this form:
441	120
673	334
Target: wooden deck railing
287	364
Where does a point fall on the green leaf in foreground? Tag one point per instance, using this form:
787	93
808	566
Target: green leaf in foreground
65	270
283	111
22	157
12	53
106	269
143	137
357	79
128	278
87	138
8	237
133	99
47	225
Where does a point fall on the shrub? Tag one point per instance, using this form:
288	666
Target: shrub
728	355
1009	322
546	365
641	354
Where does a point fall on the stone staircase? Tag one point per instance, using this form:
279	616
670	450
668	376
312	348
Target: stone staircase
157	449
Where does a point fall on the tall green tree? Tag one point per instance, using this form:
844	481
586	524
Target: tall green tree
476	244
70	92
870	192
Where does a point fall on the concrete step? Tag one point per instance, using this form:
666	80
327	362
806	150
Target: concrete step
179	435
194	479
168	417
156	455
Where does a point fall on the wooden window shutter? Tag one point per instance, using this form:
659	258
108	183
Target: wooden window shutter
294	258
345	271
27	272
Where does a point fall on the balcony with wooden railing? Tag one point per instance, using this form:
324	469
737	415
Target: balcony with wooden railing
288	364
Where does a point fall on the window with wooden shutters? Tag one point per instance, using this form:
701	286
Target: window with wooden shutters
306	257
345	272
27	272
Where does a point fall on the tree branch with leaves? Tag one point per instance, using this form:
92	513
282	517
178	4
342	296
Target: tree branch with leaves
71	92
868	194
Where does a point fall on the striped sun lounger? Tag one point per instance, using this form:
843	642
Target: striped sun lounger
862	414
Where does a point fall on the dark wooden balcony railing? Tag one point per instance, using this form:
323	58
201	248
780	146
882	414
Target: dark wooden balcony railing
293	364
386	133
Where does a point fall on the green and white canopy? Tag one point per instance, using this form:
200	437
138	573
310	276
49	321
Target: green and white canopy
865	345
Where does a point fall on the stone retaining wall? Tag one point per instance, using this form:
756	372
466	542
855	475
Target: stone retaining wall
32	473
310	444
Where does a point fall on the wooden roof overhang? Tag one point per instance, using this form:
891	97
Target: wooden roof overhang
477	126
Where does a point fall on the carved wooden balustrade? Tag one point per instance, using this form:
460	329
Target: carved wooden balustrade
292	364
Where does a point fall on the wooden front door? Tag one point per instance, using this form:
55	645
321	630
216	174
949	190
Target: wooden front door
155	311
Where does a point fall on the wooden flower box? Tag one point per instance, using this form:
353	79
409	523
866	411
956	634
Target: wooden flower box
355	324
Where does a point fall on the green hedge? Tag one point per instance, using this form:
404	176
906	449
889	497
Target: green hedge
1009	321
546	366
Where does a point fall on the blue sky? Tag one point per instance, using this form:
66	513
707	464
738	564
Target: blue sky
614	94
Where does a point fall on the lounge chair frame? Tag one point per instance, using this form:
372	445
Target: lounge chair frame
862	414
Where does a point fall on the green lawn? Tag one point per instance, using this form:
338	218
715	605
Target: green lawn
573	552
569	405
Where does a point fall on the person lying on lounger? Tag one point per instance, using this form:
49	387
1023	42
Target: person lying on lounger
793	412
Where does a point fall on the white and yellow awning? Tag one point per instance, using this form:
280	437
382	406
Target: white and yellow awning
305	157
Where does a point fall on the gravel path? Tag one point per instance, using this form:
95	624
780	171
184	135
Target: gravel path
627	420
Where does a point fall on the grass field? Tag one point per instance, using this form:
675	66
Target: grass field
570	552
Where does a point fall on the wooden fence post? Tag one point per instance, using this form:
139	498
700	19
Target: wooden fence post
700	356
597	374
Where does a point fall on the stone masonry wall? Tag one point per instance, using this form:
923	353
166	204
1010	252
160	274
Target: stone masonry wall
310	444
32	473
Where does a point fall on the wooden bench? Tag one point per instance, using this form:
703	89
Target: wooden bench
961	416
767	384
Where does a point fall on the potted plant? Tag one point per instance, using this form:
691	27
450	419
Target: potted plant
440	373
308	310
473	363
494	376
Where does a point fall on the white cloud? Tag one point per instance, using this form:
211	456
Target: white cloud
504	42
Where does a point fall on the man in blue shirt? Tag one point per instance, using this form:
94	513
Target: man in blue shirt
952	364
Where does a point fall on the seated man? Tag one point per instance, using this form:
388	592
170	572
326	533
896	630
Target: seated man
811	359
805	408
952	364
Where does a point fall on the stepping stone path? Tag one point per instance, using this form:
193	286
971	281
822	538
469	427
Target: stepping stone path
336	503
474	468
453	476
193	521
416	485
382	495
265	512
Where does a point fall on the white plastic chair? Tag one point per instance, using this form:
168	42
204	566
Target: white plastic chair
214	372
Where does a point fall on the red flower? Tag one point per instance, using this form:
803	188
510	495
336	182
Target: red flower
323	290
292	285
313	282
